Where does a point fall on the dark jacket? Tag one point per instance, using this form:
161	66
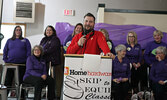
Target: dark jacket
52	49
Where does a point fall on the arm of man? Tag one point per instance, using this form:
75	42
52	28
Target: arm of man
74	47
102	43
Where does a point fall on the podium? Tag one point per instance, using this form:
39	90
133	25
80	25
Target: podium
84	84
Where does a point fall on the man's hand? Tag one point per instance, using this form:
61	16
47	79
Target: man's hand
111	55
44	77
81	41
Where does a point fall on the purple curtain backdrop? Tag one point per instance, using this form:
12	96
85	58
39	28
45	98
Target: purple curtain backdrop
117	33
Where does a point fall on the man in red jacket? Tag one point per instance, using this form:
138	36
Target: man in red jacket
89	41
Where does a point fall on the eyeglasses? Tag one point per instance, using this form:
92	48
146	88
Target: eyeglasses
18	30
131	36
159	53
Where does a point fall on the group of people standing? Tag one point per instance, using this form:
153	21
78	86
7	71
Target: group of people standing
45	56
130	61
127	58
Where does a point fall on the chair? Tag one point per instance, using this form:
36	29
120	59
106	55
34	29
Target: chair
7	66
27	88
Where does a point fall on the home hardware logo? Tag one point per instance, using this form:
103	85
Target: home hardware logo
66	70
74	72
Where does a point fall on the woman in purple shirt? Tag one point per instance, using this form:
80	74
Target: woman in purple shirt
149	54
158	74
134	54
120	73
52	55
16	50
36	74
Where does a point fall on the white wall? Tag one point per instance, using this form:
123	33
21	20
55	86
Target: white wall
54	10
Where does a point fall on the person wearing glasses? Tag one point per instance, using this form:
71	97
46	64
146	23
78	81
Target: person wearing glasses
16	50
134	54
36	74
158	74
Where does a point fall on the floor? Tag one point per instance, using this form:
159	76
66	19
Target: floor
31	94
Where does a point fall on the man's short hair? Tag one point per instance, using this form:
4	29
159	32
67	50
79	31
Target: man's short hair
90	15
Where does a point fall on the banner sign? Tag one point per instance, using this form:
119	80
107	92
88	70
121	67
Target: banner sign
82	84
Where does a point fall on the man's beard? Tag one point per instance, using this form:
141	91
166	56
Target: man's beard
87	31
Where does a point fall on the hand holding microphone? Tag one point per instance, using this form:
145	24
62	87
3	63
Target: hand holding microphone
82	40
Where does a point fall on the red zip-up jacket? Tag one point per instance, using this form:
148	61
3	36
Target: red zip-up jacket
95	42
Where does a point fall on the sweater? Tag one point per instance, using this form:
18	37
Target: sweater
16	51
35	67
95	42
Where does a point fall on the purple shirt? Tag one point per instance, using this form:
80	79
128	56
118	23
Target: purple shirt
35	67
121	70
134	54
149	54
16	51
159	71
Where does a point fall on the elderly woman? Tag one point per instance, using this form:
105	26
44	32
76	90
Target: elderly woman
109	42
36	74
158	74
120	73
149	54
134	54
